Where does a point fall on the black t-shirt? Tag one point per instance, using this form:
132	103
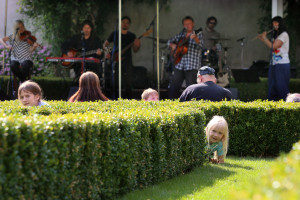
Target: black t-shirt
206	91
127	40
92	43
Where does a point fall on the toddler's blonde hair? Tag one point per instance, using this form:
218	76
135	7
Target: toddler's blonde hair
220	123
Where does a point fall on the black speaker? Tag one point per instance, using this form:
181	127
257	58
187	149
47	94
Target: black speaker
245	75
234	92
139	76
72	91
4	96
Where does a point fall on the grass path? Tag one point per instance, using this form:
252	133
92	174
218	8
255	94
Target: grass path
206	182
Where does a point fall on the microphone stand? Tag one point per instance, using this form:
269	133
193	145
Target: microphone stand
10	72
153	44
113	62
83	53
242	40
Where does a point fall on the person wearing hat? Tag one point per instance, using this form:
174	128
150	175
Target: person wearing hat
206	88
90	42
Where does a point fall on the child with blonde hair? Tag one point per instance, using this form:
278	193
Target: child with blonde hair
30	94
217	139
150	95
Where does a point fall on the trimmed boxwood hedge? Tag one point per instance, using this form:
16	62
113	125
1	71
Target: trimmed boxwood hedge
254	91
54	88
58	88
258	128
281	181
104	149
95	150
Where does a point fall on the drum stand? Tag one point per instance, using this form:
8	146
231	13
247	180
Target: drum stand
242	40
225	66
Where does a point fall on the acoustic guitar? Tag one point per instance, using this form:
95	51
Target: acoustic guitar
182	47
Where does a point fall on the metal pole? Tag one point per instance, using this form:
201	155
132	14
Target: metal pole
157	46
120	61
5	28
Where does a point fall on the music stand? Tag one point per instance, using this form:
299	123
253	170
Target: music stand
245	75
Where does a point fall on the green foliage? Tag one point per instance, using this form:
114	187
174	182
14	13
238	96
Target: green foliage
281	181
258	128
54	88
58	88
254	91
95	150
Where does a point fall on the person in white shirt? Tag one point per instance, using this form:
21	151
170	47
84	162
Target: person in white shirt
279	70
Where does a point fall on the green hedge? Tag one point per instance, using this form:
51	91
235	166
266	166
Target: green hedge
104	149
281	181
95	150
58	88
54	88
254	91
258	128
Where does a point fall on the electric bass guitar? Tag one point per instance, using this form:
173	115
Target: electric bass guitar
116	55
182	47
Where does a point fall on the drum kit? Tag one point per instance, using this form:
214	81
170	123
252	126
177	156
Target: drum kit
216	58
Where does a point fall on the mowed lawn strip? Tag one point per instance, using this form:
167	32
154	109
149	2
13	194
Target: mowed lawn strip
207	182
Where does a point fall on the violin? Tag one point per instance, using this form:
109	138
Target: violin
27	37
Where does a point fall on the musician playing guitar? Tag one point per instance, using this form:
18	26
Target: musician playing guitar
90	41
186	48
128	40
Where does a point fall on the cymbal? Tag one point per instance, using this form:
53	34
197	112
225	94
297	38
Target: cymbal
219	38
160	40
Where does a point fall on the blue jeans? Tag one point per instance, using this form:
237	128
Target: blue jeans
279	77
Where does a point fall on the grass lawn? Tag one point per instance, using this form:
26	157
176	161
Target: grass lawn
206	182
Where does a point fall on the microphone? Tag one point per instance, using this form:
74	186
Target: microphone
17	29
82	35
240	39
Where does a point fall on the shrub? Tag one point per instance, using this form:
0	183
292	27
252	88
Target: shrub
281	181
95	150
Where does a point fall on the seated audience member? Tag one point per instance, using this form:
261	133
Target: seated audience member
30	94
295	97
150	95
89	88
206	88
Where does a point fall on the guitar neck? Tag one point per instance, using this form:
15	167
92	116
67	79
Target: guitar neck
87	53
129	46
197	32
